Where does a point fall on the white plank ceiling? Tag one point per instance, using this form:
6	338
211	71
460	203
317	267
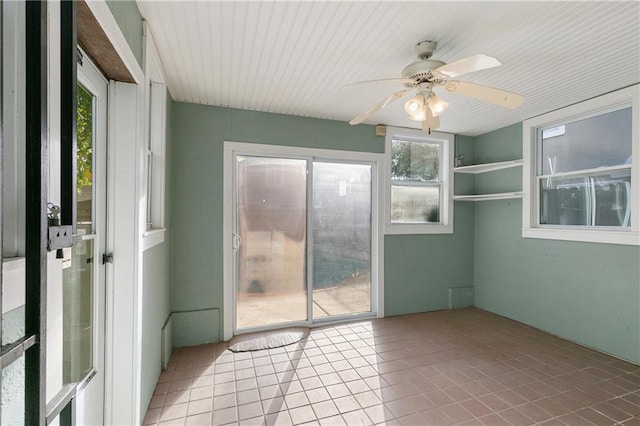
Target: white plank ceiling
297	57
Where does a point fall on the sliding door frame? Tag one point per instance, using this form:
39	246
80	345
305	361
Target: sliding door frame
231	149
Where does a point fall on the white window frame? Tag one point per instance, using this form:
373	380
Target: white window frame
445	140
531	227
154	155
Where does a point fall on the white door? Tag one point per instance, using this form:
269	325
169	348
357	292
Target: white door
84	277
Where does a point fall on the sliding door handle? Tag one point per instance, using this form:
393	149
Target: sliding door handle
237	241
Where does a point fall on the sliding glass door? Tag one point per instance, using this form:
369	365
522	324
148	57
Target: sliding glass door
341	239
302	240
271	197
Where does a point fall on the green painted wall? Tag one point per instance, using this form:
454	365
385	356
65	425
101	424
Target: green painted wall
585	292
156	277
129	19
155	310
418	269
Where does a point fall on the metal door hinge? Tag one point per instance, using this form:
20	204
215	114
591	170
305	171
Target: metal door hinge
107	258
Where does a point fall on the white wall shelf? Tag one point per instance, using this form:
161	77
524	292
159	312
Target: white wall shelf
485	168
488	167
486	197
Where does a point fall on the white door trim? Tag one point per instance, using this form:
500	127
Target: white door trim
123	324
377	195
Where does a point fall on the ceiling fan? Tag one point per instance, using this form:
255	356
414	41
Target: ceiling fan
426	73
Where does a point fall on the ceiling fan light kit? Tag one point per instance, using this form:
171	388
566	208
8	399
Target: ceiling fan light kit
426	73
415	108
437	104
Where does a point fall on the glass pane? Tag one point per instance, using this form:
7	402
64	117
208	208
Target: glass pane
416	161
590	200
13	299
12	408
341	239
84	161
272	216
415	204
600	141
77	298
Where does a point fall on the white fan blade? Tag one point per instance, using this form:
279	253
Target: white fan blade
377	107
484	93
381	80
467	65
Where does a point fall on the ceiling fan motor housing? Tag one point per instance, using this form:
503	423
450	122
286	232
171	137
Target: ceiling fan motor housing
421	71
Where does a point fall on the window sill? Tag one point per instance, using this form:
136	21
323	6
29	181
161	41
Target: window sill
411	229
152	238
586	236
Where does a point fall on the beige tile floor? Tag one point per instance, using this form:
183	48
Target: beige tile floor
441	368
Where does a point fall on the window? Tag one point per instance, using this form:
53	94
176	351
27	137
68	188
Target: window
580	171
84	161
418	174
154	153
155	156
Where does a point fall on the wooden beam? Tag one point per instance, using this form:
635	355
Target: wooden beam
95	42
